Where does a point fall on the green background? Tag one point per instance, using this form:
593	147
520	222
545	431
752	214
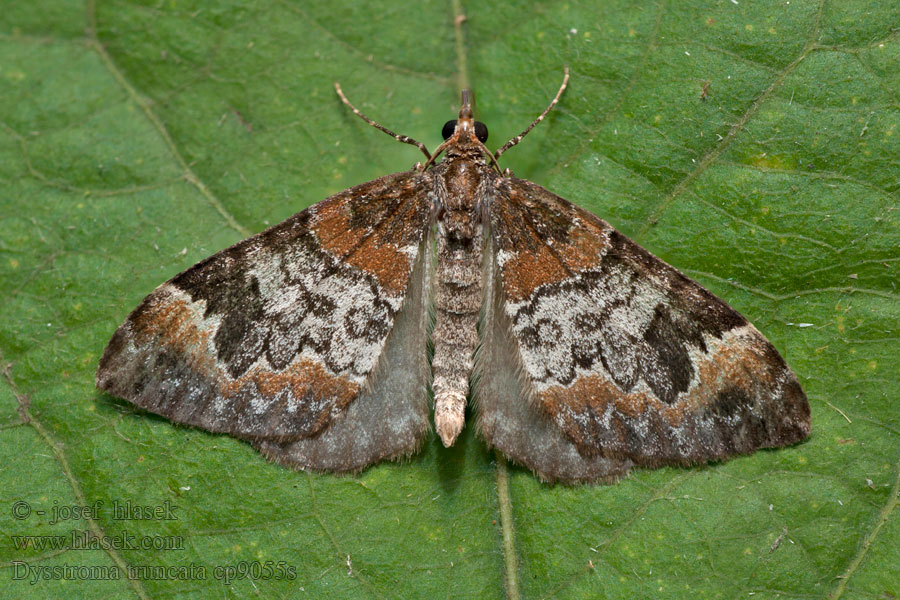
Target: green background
137	138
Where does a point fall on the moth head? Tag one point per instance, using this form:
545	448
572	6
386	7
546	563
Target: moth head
464	135
481	130
465	125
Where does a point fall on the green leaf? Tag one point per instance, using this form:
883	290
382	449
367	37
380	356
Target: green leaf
754	145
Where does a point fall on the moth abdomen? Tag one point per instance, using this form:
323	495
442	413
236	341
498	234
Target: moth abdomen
457	303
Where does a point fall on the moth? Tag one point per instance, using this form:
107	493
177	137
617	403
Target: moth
584	354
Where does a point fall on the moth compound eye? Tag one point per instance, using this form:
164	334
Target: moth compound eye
448	129
481	131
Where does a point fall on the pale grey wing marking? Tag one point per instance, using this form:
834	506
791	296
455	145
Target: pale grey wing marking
390	418
507	416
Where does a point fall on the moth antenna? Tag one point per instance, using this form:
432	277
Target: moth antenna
519	137
400	138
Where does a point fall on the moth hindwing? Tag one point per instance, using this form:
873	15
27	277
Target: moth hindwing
592	355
